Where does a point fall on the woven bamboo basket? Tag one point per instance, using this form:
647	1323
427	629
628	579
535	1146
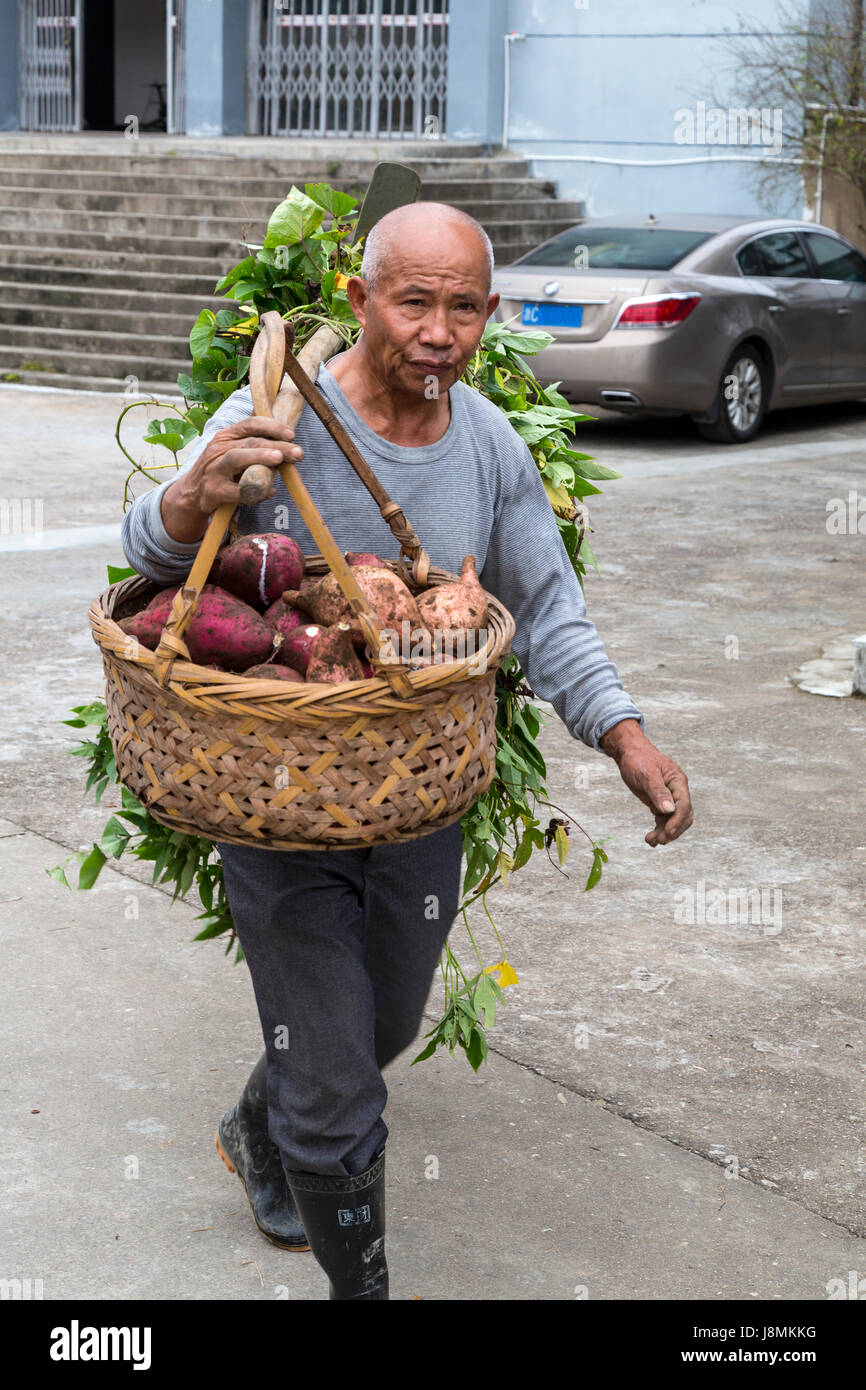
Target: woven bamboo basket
246	760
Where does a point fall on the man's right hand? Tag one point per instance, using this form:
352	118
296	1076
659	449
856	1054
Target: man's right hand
213	479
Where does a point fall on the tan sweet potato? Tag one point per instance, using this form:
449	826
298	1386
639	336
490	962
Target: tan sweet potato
385	592
363	557
455	607
270	671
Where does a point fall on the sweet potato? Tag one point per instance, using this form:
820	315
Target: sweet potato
258	568
224	632
228	632
283	619
163	599
299	646
455	607
270	671
361	557
385	592
334	659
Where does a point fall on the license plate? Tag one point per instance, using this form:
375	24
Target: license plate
553	315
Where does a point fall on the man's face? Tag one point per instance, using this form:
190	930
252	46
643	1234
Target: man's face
426	317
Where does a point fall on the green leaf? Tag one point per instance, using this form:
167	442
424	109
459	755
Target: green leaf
338	204
172	432
115	574
427	1052
476	1048
295	218
59	874
198	417
115	838
484	998
587	555
589	468
202	333
91	866
237	272
598	858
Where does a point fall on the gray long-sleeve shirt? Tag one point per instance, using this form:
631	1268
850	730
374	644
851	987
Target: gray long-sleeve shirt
476	491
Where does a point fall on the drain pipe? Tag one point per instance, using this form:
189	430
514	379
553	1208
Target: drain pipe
510	38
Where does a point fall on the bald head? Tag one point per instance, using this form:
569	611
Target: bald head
447	231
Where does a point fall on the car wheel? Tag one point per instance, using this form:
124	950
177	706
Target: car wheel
741	403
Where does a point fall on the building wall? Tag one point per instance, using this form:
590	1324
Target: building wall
8	65
604	82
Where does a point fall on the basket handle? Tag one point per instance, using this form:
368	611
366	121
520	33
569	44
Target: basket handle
267	365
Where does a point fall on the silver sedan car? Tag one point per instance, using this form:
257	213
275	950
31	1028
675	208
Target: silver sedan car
719	318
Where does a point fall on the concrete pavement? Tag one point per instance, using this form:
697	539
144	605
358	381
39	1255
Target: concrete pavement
653	1044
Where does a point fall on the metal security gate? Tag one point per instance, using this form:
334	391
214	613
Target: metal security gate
50	50
347	67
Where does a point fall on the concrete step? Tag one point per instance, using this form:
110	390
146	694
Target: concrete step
230	229
175	254
80	381
233	210
99	300
109	248
211	230
40	339
113	366
293	167
83	319
219	186
36	264
187	253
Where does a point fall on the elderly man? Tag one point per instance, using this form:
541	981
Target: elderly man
340	949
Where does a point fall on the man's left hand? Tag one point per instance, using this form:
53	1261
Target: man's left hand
653	777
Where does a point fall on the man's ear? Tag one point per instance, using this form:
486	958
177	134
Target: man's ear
492	304
358	294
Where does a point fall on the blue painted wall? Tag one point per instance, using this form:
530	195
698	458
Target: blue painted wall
216	37
8	65
605	80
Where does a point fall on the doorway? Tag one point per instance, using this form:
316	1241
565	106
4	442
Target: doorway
124	64
91	64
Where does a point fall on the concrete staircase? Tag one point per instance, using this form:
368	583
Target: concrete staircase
109	249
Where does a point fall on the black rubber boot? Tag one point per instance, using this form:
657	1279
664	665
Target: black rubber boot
344	1219
246	1148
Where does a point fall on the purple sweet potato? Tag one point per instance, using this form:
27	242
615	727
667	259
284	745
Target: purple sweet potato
270	671
334	659
283	619
163	599
258	568
227	632
455	607
299	646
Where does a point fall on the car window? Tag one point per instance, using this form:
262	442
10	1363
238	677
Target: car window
776	254
836	260
616	248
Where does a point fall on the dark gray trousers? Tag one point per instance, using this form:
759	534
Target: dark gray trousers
341	946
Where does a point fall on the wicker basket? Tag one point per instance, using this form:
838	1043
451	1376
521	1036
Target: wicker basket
281	766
